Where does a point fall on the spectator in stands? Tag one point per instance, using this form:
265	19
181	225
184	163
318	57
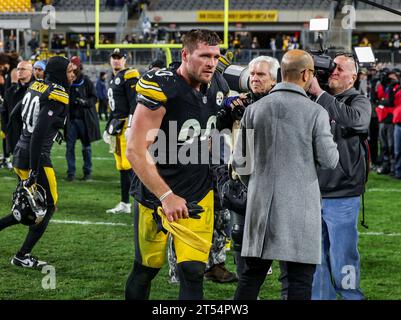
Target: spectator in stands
395	46
146	28
82	47
255	43
279	41
273	47
365	42
10	43
39	68
110	4
119	3
101	93
82	121
33	43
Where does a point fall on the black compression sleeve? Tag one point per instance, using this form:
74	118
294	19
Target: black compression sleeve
46	118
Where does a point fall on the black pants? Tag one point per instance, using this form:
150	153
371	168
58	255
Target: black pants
300	277
386	136
103	109
374	141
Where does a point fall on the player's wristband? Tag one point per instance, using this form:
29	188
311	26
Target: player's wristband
165	195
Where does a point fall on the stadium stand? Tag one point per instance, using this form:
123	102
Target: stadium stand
395	4
182	5
15	6
78	5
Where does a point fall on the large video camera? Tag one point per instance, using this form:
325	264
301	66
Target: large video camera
324	67
237	78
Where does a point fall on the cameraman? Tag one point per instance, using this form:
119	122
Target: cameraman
83	121
341	188
262	78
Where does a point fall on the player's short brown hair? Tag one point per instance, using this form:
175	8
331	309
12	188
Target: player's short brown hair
191	39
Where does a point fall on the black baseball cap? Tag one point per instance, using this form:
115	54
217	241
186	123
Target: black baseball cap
120	53
157	64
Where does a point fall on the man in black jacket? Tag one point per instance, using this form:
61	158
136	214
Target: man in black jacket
342	187
12	97
83	122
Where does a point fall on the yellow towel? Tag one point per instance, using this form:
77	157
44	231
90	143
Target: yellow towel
184	234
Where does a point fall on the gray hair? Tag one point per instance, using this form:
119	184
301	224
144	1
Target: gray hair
273	63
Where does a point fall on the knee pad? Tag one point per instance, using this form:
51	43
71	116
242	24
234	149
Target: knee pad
139	281
144	274
191	271
191	280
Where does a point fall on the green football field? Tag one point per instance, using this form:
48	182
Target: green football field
92	252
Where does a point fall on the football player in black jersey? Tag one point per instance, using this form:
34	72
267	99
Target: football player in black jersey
122	101
178	107
43	112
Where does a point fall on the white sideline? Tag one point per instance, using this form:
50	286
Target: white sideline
101	223
112	224
383	190
111	158
380	234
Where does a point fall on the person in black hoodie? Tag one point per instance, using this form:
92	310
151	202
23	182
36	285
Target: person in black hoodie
44	110
83	121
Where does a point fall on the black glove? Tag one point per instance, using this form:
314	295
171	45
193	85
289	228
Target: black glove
194	210
159	224
33	175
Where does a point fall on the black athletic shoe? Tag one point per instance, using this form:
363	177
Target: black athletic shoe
27	261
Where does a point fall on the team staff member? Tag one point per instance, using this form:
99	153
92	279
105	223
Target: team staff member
13	96
174	100
44	110
122	101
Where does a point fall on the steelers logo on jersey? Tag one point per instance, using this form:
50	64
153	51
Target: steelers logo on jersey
219	98
118	81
